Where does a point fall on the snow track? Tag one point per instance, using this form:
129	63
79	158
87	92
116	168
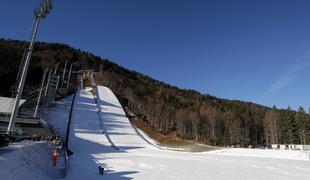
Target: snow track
137	159
117	126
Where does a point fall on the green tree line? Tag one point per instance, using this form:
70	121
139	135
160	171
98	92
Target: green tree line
167	109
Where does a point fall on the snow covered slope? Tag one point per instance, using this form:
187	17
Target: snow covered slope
26	160
137	159
116	124
58	115
265	153
86	139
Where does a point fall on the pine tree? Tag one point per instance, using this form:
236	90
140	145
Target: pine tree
288	127
301	120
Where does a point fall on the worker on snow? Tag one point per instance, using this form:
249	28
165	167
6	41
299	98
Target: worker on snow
101	170
55	158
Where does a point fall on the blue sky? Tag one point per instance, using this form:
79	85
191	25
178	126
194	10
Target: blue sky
256	51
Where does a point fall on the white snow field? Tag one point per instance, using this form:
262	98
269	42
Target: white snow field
112	142
265	153
26	160
58	115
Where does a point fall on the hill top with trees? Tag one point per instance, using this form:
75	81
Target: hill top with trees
167	109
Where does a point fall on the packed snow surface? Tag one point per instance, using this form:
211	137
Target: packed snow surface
106	137
26	160
265	153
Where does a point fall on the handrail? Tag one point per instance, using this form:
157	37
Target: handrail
64	146
68	126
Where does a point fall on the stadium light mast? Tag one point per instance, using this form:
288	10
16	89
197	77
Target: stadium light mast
40	14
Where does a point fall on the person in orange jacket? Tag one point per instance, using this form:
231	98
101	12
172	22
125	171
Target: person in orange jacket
55	157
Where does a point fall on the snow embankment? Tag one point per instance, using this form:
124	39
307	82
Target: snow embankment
113	120
137	159
58	115
26	160
115	123
267	153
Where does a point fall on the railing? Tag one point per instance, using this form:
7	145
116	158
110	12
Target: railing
61	171
92	79
69	124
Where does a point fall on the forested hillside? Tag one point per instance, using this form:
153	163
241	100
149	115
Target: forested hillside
167	109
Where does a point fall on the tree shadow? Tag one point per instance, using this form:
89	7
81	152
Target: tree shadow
109	114
88	155
109	174
100	146
6	150
105	103
90	145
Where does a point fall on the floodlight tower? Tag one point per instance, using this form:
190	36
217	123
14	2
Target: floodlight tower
40	13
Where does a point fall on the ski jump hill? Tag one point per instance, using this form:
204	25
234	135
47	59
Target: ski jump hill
101	134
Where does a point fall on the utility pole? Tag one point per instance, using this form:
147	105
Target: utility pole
39	98
46	88
55	71
68	81
48	82
41	13
63	74
57	84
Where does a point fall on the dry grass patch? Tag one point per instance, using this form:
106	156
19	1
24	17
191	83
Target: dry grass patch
171	140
